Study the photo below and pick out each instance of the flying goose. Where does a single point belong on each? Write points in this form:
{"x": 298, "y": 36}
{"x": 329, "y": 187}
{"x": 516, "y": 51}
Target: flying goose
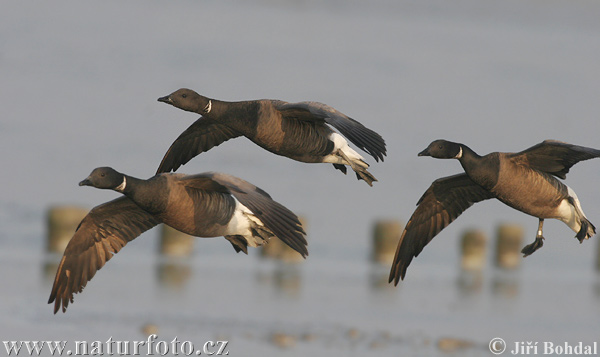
{"x": 526, "y": 181}
{"x": 295, "y": 130}
{"x": 205, "y": 205}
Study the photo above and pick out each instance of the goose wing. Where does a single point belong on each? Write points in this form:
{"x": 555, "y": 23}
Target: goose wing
{"x": 201, "y": 136}
{"x": 363, "y": 137}
{"x": 101, "y": 234}
{"x": 441, "y": 204}
{"x": 555, "y": 157}
{"x": 277, "y": 218}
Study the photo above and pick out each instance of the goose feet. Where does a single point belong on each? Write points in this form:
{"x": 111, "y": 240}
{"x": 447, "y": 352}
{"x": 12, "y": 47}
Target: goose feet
{"x": 583, "y": 232}
{"x": 530, "y": 248}
{"x": 340, "y": 167}
{"x": 359, "y": 167}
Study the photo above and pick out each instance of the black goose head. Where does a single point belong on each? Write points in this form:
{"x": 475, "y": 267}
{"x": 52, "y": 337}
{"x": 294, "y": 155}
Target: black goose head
{"x": 188, "y": 100}
{"x": 104, "y": 177}
{"x": 442, "y": 149}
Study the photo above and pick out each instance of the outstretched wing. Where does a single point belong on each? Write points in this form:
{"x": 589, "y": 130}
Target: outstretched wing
{"x": 555, "y": 157}
{"x": 363, "y": 137}
{"x": 100, "y": 235}
{"x": 441, "y": 204}
{"x": 201, "y": 136}
{"x": 277, "y": 218}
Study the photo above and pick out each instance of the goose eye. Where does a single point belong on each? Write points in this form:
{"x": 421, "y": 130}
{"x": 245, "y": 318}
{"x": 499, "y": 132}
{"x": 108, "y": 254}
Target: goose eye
{"x": 102, "y": 174}
{"x": 440, "y": 147}
{"x": 184, "y": 95}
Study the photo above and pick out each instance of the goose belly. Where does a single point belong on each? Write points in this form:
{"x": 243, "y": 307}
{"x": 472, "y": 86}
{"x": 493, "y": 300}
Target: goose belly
{"x": 309, "y": 152}
{"x": 207, "y": 221}
{"x": 297, "y": 140}
{"x": 532, "y": 194}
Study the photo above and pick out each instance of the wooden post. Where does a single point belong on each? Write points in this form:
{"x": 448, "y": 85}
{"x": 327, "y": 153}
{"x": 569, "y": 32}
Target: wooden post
{"x": 174, "y": 243}
{"x": 62, "y": 222}
{"x": 386, "y": 235}
{"x": 508, "y": 246}
{"x": 473, "y": 246}
{"x": 598, "y": 256}
{"x": 278, "y": 250}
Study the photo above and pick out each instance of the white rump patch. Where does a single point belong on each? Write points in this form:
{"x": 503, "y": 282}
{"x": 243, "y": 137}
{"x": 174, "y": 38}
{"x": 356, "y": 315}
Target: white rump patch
{"x": 577, "y": 203}
{"x": 241, "y": 224}
{"x": 570, "y": 214}
{"x": 339, "y": 143}
{"x": 121, "y": 187}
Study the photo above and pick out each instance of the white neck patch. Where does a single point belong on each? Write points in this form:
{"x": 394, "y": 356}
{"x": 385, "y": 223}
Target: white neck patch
{"x": 121, "y": 187}
{"x": 459, "y": 155}
{"x": 208, "y": 106}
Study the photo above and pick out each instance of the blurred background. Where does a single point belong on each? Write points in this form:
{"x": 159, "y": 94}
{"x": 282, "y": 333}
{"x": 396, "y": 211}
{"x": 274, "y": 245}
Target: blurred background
{"x": 79, "y": 87}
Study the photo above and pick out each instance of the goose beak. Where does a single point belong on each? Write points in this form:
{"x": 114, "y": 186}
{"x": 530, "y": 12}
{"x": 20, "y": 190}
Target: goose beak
{"x": 86, "y": 182}
{"x": 425, "y": 153}
{"x": 166, "y": 99}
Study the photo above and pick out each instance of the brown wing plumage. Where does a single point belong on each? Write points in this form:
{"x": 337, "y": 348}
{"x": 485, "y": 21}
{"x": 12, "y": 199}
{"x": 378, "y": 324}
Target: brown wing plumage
{"x": 363, "y": 137}
{"x": 280, "y": 220}
{"x": 441, "y": 204}
{"x": 100, "y": 235}
{"x": 201, "y": 136}
{"x": 555, "y": 157}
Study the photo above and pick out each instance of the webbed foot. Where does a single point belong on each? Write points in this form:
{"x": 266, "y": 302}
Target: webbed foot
{"x": 583, "y": 232}
{"x": 359, "y": 167}
{"x": 531, "y": 248}
{"x": 340, "y": 167}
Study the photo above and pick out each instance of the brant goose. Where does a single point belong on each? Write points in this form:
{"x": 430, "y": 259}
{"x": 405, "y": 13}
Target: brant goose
{"x": 205, "y": 205}
{"x": 524, "y": 181}
{"x": 294, "y": 130}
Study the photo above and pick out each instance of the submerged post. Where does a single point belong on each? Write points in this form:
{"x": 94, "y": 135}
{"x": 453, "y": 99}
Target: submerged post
{"x": 508, "y": 246}
{"x": 386, "y": 235}
{"x": 278, "y": 250}
{"x": 174, "y": 243}
{"x": 598, "y": 257}
{"x": 62, "y": 222}
{"x": 473, "y": 248}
